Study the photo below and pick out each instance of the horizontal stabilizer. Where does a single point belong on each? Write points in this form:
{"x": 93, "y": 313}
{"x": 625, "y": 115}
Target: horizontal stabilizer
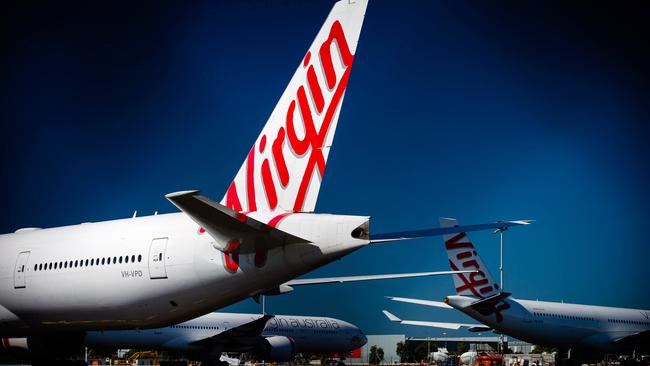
{"x": 424, "y": 233}
{"x": 438, "y": 304}
{"x": 225, "y": 224}
{"x": 319, "y": 281}
{"x": 486, "y": 306}
{"x": 453, "y": 326}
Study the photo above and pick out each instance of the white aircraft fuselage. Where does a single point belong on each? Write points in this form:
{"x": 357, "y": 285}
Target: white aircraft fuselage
{"x": 163, "y": 269}
{"x": 560, "y": 324}
{"x": 305, "y": 334}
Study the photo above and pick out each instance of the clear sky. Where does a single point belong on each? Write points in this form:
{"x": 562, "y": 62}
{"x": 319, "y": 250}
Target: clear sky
{"x": 474, "y": 110}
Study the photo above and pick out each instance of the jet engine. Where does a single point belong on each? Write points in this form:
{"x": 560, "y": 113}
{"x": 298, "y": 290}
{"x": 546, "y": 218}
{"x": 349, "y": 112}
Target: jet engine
{"x": 43, "y": 349}
{"x": 277, "y": 349}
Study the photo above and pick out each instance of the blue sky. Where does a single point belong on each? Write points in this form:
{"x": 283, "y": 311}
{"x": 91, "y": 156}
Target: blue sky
{"x": 473, "y": 110}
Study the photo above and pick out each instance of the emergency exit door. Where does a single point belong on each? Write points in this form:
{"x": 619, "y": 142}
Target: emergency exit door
{"x": 157, "y": 258}
{"x": 21, "y": 268}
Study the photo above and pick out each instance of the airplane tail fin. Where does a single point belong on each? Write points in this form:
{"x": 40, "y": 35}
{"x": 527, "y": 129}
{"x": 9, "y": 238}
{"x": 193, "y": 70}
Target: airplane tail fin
{"x": 463, "y": 256}
{"x": 284, "y": 168}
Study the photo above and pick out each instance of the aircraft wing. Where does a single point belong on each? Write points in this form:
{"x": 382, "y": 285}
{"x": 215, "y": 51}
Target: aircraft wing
{"x": 639, "y": 340}
{"x": 438, "y": 304}
{"x": 318, "y": 281}
{"x": 244, "y": 334}
{"x": 416, "y": 234}
{"x": 223, "y": 223}
{"x": 453, "y": 326}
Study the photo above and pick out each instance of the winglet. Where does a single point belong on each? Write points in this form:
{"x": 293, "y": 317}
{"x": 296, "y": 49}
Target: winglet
{"x": 391, "y": 317}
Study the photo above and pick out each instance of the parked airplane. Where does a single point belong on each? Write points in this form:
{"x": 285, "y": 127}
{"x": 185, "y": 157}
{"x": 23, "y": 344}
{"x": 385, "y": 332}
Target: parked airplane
{"x": 584, "y": 329}
{"x": 146, "y": 272}
{"x": 467, "y": 358}
{"x": 23, "y": 348}
{"x": 271, "y": 338}
{"x": 442, "y": 355}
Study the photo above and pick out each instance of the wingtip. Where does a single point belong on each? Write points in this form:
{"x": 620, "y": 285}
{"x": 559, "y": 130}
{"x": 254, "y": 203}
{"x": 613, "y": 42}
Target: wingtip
{"x": 391, "y": 316}
{"x": 191, "y": 192}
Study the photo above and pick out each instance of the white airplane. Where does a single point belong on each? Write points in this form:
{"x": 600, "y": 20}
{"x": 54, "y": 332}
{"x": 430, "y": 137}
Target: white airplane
{"x": 467, "y": 358}
{"x": 271, "y": 338}
{"x": 585, "y": 329}
{"x": 147, "y": 272}
{"x": 442, "y": 355}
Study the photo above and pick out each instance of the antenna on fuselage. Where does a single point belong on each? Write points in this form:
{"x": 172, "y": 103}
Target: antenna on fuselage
{"x": 135, "y": 214}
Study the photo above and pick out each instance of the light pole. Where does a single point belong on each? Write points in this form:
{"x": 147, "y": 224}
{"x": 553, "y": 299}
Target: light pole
{"x": 428, "y": 351}
{"x": 445, "y": 335}
{"x": 500, "y": 232}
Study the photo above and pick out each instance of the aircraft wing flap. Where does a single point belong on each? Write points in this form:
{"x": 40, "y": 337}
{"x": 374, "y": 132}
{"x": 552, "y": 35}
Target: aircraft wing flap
{"x": 242, "y": 334}
{"x": 225, "y": 224}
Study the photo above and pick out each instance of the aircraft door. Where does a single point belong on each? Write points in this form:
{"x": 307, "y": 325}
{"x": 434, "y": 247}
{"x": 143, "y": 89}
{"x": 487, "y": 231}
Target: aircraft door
{"x": 21, "y": 268}
{"x": 157, "y": 258}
